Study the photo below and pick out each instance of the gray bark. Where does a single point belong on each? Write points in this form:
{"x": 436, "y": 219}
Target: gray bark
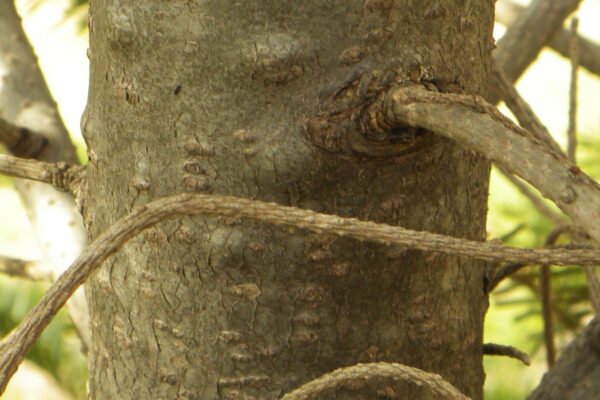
{"x": 213, "y": 97}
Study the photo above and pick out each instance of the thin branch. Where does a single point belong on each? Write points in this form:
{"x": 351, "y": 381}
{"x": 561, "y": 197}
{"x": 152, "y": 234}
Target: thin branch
{"x": 21, "y": 141}
{"x": 507, "y": 12}
{"x": 545, "y": 289}
{"x": 538, "y": 203}
{"x": 507, "y": 270}
{"x": 504, "y": 272}
{"x": 23, "y": 269}
{"x": 530, "y": 32}
{"x": 14, "y": 348}
{"x": 574, "y": 50}
{"x": 366, "y": 372}
{"x": 493, "y": 349}
{"x": 61, "y": 175}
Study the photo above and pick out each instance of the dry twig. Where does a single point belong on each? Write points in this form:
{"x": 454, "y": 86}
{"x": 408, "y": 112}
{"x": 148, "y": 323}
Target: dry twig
{"x": 545, "y": 291}
{"x": 366, "y": 372}
{"x": 574, "y": 51}
{"x": 507, "y": 270}
{"x": 61, "y": 175}
{"x": 493, "y": 349}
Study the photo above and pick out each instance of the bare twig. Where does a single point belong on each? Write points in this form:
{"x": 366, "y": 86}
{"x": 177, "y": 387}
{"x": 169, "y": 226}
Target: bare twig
{"x": 507, "y": 270}
{"x": 365, "y": 372}
{"x": 493, "y": 349}
{"x": 21, "y": 141}
{"x": 530, "y": 32}
{"x": 574, "y": 51}
{"x": 61, "y": 175}
{"x": 23, "y": 269}
{"x": 13, "y": 349}
{"x": 504, "y": 272}
{"x": 508, "y": 11}
{"x": 545, "y": 288}
{"x": 535, "y": 199}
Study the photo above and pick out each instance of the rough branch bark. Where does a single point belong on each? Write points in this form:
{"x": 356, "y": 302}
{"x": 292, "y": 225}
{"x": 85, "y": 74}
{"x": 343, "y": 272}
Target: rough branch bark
{"x": 61, "y": 175}
{"x": 530, "y": 33}
{"x": 508, "y": 11}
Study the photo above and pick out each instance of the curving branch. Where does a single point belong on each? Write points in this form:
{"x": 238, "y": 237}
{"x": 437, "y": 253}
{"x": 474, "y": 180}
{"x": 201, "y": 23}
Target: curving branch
{"x": 14, "y": 348}
{"x": 372, "y": 371}
{"x": 493, "y": 349}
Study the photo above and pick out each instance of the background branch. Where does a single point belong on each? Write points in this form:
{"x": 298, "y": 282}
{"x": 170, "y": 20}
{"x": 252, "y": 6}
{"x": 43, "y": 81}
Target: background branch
{"x": 23, "y": 269}
{"x": 529, "y": 33}
{"x": 21, "y": 141}
{"x": 507, "y": 12}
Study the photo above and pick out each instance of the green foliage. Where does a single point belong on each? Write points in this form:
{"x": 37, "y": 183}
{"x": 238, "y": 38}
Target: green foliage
{"x": 58, "y": 349}
{"x": 515, "y": 315}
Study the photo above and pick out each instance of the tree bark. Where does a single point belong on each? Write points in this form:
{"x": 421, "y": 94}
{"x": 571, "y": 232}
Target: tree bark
{"x": 577, "y": 373}
{"x": 213, "y": 97}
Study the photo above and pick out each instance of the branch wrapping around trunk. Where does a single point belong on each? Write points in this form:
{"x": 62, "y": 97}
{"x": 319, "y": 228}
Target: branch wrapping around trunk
{"x": 366, "y": 372}
{"x": 14, "y": 348}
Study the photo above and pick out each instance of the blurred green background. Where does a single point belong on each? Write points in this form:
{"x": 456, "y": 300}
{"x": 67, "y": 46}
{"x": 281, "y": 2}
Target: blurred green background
{"x": 58, "y": 33}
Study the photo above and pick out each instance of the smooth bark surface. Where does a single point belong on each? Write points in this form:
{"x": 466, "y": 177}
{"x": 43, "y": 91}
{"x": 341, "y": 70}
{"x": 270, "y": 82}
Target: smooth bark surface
{"x": 213, "y": 97}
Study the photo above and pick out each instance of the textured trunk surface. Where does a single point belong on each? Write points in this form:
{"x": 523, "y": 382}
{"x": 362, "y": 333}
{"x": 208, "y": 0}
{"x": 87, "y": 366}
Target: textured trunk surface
{"x": 212, "y": 96}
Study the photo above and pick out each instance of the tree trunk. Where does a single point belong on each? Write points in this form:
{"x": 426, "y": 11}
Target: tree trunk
{"x": 214, "y": 97}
